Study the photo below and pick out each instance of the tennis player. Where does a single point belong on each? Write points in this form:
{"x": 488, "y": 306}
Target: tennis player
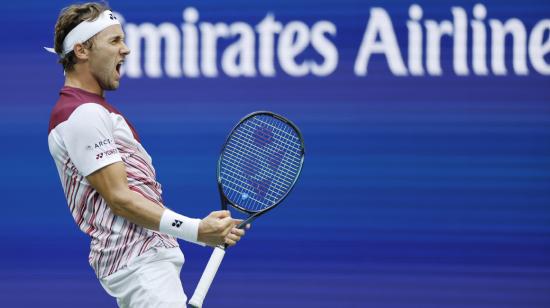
{"x": 107, "y": 176}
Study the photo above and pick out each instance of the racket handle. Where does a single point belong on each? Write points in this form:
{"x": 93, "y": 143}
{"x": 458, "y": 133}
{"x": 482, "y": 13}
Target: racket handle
{"x": 207, "y": 277}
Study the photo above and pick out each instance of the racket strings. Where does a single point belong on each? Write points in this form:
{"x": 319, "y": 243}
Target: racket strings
{"x": 268, "y": 188}
{"x": 250, "y": 154}
{"x": 272, "y": 151}
{"x": 265, "y": 191}
{"x": 260, "y": 162}
{"x": 282, "y": 146}
{"x": 275, "y": 156}
{"x": 289, "y": 139}
{"x": 248, "y": 170}
{"x": 281, "y": 141}
{"x": 235, "y": 177}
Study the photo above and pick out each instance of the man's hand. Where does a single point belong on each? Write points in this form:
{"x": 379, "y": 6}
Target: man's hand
{"x": 235, "y": 235}
{"x": 219, "y": 228}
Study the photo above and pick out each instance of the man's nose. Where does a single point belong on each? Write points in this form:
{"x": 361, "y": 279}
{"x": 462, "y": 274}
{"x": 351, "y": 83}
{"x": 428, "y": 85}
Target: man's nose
{"x": 125, "y": 50}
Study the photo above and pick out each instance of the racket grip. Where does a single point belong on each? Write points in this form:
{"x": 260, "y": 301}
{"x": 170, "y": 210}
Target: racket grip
{"x": 207, "y": 277}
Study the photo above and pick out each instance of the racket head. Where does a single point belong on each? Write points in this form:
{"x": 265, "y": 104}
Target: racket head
{"x": 260, "y": 162}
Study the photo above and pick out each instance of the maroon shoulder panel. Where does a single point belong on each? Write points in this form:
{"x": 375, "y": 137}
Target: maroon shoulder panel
{"x": 70, "y": 98}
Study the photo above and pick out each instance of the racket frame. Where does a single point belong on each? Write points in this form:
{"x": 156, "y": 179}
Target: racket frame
{"x": 219, "y": 251}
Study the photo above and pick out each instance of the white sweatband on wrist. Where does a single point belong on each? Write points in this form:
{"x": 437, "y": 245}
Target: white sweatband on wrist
{"x": 180, "y": 226}
{"x": 86, "y": 30}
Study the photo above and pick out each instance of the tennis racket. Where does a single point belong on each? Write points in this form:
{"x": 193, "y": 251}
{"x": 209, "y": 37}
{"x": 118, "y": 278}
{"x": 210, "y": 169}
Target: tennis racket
{"x": 259, "y": 164}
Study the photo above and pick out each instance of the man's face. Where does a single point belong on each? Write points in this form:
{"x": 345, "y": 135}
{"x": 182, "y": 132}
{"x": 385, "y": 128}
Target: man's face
{"x": 106, "y": 57}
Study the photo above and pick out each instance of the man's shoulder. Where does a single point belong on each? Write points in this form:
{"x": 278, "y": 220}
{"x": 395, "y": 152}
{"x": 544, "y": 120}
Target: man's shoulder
{"x": 66, "y": 106}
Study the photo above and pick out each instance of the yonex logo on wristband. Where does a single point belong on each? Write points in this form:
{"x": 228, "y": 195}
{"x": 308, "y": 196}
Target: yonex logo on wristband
{"x": 177, "y": 223}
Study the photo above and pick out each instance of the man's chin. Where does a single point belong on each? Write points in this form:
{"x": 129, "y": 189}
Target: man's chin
{"x": 112, "y": 86}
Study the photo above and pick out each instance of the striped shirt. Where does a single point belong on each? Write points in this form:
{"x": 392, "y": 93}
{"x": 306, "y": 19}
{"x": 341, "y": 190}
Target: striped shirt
{"x": 86, "y": 134}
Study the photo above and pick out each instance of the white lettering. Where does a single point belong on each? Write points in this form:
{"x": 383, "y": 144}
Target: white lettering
{"x": 460, "y": 41}
{"x": 539, "y": 49}
{"x": 379, "y": 25}
{"x": 190, "y": 42}
{"x": 435, "y": 32}
{"x": 499, "y": 31}
{"x": 267, "y": 30}
{"x": 152, "y": 36}
{"x": 415, "y": 41}
{"x": 479, "y": 37}
{"x": 293, "y": 40}
{"x": 325, "y": 47}
{"x": 194, "y": 48}
{"x": 238, "y": 58}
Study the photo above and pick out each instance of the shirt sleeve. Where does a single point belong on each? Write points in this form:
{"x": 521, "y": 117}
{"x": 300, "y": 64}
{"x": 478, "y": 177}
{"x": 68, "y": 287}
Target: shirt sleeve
{"x": 89, "y": 140}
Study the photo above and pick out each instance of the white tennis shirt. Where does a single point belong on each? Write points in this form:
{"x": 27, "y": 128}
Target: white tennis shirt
{"x": 85, "y": 135}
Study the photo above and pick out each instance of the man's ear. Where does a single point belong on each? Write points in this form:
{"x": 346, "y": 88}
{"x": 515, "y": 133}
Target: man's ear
{"x": 80, "y": 51}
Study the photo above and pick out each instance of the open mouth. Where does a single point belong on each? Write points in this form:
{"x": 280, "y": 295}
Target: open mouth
{"x": 119, "y": 66}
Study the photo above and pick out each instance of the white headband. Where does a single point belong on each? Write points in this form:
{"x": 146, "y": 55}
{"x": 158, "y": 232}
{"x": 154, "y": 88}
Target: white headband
{"x": 85, "y": 30}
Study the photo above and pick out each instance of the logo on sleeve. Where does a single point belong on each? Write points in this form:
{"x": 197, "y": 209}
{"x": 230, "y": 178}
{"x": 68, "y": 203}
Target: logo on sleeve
{"x": 177, "y": 223}
{"x": 106, "y": 153}
{"x": 101, "y": 143}
{"x": 104, "y": 145}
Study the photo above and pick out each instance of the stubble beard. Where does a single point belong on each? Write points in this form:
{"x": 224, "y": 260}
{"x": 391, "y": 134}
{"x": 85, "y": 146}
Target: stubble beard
{"x": 106, "y": 83}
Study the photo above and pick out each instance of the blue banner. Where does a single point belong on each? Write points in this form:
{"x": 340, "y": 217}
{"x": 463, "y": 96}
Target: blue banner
{"x": 426, "y": 181}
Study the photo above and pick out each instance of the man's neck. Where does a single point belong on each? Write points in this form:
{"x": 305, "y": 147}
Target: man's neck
{"x": 83, "y": 81}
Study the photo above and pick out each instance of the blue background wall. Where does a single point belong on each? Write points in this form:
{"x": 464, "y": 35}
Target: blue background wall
{"x": 426, "y": 191}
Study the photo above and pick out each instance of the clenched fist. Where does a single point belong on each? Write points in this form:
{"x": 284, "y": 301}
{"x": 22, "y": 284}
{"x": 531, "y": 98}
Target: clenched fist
{"x": 219, "y": 228}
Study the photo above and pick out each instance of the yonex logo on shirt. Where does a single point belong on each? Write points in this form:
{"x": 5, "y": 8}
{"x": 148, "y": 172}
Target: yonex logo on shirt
{"x": 106, "y": 153}
{"x": 177, "y": 223}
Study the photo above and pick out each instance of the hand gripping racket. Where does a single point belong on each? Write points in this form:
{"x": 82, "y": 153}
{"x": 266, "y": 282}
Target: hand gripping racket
{"x": 258, "y": 166}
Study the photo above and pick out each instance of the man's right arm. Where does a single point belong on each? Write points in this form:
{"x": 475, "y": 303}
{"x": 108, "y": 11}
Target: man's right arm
{"x": 112, "y": 184}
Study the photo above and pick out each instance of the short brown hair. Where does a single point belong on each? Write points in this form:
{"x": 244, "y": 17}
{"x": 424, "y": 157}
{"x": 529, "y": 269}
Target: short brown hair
{"x": 68, "y": 19}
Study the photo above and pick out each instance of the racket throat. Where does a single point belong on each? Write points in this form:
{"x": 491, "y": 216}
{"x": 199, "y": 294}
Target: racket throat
{"x": 222, "y": 198}
{"x": 250, "y": 219}
{"x": 242, "y": 225}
